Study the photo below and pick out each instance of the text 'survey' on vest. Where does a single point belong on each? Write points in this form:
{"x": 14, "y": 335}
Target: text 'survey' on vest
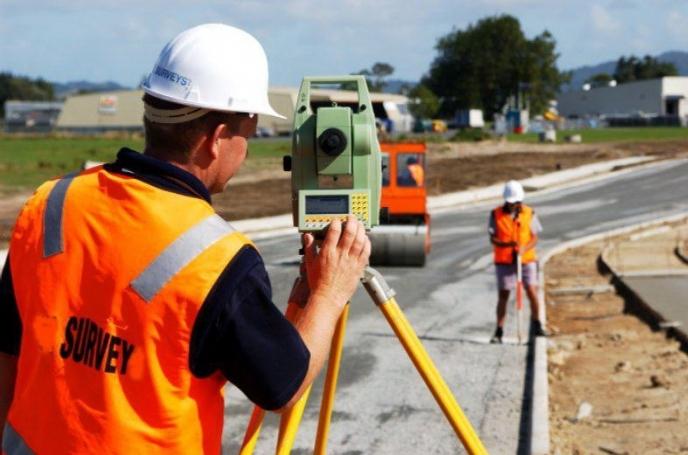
{"x": 109, "y": 274}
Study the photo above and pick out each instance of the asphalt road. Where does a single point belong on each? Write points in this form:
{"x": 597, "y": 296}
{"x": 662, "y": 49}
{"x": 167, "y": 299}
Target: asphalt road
{"x": 382, "y": 404}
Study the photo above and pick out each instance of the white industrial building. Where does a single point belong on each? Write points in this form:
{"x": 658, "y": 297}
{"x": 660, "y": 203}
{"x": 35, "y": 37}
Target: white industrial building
{"x": 664, "y": 97}
{"x": 123, "y": 110}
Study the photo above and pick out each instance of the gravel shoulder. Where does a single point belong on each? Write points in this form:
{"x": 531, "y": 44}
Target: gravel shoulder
{"x": 615, "y": 386}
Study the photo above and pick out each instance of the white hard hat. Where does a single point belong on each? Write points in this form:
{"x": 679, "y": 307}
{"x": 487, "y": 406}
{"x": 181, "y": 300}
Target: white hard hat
{"x": 214, "y": 67}
{"x": 513, "y": 192}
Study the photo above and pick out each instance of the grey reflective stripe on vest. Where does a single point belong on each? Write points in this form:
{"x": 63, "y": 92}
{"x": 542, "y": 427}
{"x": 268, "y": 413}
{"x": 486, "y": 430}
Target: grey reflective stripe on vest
{"x": 178, "y": 254}
{"x": 52, "y": 219}
{"x": 13, "y": 443}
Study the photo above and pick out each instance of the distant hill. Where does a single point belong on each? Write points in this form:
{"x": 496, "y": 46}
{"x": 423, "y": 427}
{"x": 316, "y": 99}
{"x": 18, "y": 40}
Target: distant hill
{"x": 583, "y": 73}
{"x": 62, "y": 90}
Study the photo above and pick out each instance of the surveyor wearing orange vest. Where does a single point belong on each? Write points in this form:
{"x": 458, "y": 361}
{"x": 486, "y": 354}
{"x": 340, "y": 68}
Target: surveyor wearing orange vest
{"x": 514, "y": 230}
{"x": 127, "y": 303}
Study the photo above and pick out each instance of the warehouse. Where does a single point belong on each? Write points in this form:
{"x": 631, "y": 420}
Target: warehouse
{"x": 123, "y": 110}
{"x": 664, "y": 98}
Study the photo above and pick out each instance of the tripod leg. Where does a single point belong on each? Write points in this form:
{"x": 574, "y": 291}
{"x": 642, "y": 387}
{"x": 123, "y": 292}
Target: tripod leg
{"x": 252, "y": 431}
{"x": 331, "y": 384}
{"x": 289, "y": 425}
{"x": 383, "y": 296}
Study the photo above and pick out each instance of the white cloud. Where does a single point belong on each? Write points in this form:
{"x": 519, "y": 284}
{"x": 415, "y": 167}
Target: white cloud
{"x": 603, "y": 21}
{"x": 642, "y": 40}
{"x": 676, "y": 23}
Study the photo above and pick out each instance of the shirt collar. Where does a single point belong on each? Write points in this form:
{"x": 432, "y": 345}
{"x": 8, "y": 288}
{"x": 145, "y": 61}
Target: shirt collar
{"x": 158, "y": 173}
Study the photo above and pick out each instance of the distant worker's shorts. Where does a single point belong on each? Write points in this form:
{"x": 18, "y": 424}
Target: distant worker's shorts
{"x": 506, "y": 275}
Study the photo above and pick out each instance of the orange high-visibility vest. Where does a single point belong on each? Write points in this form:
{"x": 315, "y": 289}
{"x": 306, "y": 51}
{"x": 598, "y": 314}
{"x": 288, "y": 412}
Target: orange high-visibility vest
{"x": 510, "y": 230}
{"x": 417, "y": 173}
{"x": 109, "y": 274}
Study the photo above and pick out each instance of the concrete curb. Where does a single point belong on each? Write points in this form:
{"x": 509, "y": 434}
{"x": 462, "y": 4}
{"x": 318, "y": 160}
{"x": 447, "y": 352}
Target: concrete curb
{"x": 682, "y": 252}
{"x": 539, "y": 436}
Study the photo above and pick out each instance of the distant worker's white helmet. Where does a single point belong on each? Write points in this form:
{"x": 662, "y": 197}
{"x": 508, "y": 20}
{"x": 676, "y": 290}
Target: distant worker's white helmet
{"x": 213, "y": 67}
{"x": 513, "y": 192}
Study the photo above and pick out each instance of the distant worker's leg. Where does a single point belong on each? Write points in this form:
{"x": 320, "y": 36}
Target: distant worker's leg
{"x": 536, "y": 328}
{"x": 531, "y": 291}
{"x": 530, "y": 283}
{"x": 501, "y": 316}
{"x": 501, "y": 306}
{"x": 506, "y": 281}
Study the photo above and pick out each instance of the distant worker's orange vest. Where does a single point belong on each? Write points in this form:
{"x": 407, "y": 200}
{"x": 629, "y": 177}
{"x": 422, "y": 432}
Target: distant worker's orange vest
{"x": 510, "y": 230}
{"x": 109, "y": 274}
{"x": 417, "y": 173}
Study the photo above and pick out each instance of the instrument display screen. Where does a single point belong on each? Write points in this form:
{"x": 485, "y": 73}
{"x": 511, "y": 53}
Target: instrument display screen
{"x": 327, "y": 205}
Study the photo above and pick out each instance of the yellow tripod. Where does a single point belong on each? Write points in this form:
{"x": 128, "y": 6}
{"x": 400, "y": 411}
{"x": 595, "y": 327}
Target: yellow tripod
{"x": 383, "y": 296}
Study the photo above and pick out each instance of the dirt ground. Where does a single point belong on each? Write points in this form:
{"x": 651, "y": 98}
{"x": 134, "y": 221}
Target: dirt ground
{"x": 264, "y": 190}
{"x": 615, "y": 386}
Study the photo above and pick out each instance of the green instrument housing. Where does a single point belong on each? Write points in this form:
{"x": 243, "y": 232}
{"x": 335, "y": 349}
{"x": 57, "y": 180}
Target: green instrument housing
{"x": 335, "y": 160}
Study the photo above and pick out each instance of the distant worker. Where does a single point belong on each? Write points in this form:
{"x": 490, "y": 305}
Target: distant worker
{"x": 413, "y": 175}
{"x": 514, "y": 230}
{"x": 127, "y": 303}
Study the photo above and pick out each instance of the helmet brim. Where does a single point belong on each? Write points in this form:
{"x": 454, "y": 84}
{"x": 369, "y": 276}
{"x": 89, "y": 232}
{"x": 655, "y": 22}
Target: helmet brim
{"x": 261, "y": 110}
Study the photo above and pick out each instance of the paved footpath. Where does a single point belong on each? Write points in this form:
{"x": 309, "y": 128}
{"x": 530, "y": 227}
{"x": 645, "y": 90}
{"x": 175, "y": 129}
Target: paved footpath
{"x": 650, "y": 264}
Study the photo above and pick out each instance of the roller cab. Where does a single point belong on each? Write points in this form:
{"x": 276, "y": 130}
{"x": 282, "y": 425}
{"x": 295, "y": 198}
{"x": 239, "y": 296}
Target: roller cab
{"x": 403, "y": 236}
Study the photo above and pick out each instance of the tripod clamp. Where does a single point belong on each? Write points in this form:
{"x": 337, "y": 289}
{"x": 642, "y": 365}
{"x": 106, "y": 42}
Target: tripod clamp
{"x": 377, "y": 287}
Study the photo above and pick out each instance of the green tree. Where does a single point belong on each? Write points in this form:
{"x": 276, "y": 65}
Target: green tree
{"x": 632, "y": 68}
{"x": 423, "y": 103}
{"x": 485, "y": 64}
{"x": 23, "y": 88}
{"x": 600, "y": 79}
{"x": 375, "y": 76}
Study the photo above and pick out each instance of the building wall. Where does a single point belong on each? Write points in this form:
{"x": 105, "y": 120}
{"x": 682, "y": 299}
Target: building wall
{"x": 677, "y": 87}
{"x": 103, "y": 111}
{"x": 283, "y": 100}
{"x": 624, "y": 99}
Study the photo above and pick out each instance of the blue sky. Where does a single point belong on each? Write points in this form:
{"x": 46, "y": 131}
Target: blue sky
{"x": 64, "y": 40}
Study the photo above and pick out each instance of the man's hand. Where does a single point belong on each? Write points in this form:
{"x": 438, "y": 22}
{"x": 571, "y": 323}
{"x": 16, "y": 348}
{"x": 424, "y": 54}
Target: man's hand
{"x": 334, "y": 271}
{"x": 496, "y": 242}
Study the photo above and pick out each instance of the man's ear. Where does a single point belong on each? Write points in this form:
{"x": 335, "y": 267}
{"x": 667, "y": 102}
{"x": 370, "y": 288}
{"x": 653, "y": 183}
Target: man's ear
{"x": 219, "y": 132}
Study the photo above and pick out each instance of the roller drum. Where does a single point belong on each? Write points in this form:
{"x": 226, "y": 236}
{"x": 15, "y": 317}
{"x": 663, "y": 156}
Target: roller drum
{"x": 398, "y": 245}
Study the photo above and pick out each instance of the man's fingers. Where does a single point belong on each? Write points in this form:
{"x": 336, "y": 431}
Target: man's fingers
{"x": 308, "y": 243}
{"x": 349, "y": 234}
{"x": 359, "y": 241}
{"x": 334, "y": 231}
{"x": 365, "y": 251}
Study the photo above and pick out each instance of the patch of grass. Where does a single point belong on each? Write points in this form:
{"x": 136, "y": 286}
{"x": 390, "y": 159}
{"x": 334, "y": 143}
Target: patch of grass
{"x": 612, "y": 134}
{"x": 269, "y": 148}
{"x": 470, "y": 135}
{"x": 26, "y": 162}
